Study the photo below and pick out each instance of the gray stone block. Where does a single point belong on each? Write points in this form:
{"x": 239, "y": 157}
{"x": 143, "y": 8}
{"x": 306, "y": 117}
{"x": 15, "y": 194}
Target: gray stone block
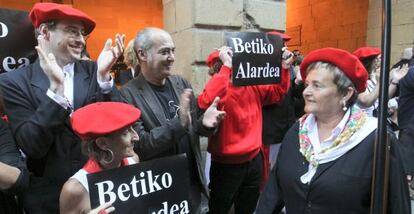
{"x": 267, "y": 14}
{"x": 185, "y": 14}
{"x": 199, "y": 78}
{"x": 169, "y": 16}
{"x": 218, "y": 13}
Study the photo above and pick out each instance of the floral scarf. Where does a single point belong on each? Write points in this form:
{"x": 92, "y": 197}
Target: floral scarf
{"x": 339, "y": 146}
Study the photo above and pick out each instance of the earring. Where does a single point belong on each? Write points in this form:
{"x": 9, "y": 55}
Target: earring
{"x": 111, "y": 157}
{"x": 344, "y": 108}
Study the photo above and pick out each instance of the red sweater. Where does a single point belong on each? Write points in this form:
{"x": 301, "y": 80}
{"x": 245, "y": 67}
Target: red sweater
{"x": 239, "y": 136}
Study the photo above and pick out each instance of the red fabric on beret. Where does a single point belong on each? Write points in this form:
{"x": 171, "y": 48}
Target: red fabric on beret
{"x": 365, "y": 52}
{"x": 348, "y": 63}
{"x": 43, "y": 12}
{"x": 102, "y": 118}
{"x": 212, "y": 57}
{"x": 284, "y": 36}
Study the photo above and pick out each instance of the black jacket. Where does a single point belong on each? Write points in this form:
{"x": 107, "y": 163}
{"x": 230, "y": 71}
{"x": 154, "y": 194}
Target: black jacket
{"x": 42, "y": 129}
{"x": 155, "y": 132}
{"x": 278, "y": 118}
{"x": 342, "y": 186}
{"x": 123, "y": 77}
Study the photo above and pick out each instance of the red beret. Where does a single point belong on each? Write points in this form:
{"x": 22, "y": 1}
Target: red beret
{"x": 212, "y": 57}
{"x": 102, "y": 118}
{"x": 365, "y": 52}
{"x": 342, "y": 59}
{"x": 43, "y": 12}
{"x": 284, "y": 36}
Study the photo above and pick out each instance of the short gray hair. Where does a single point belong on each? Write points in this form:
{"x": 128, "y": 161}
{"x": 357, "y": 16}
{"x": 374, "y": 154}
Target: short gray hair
{"x": 341, "y": 81}
{"x": 142, "y": 39}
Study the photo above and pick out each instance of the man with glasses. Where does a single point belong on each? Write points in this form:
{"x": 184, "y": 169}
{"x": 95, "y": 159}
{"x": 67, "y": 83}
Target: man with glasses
{"x": 40, "y": 98}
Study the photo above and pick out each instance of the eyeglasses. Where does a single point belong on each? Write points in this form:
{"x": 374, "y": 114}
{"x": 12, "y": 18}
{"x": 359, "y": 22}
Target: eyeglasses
{"x": 74, "y": 32}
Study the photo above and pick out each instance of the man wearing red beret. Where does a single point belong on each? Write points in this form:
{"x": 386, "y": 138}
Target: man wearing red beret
{"x": 39, "y": 99}
{"x": 169, "y": 123}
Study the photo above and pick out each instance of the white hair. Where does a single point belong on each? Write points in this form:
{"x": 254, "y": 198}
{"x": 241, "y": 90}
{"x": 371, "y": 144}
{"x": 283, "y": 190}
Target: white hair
{"x": 407, "y": 53}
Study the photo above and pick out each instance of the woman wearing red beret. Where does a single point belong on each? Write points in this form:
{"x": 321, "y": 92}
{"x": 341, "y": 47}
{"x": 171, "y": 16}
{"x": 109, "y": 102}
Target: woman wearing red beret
{"x": 108, "y": 140}
{"x": 371, "y": 59}
{"x": 325, "y": 161}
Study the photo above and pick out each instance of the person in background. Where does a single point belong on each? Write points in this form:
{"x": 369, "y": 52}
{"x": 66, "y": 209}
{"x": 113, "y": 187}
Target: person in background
{"x": 237, "y": 163}
{"x": 325, "y": 162}
{"x": 14, "y": 176}
{"x": 406, "y": 124}
{"x": 40, "y": 98}
{"x": 170, "y": 123}
{"x": 405, "y": 58}
{"x": 371, "y": 59}
{"x": 108, "y": 147}
{"x": 130, "y": 59}
{"x": 279, "y": 117}
{"x": 412, "y": 58}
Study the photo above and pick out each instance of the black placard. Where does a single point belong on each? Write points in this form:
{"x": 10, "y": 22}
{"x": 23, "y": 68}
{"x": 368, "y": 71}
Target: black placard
{"x": 155, "y": 187}
{"x": 256, "y": 58}
{"x": 17, "y": 40}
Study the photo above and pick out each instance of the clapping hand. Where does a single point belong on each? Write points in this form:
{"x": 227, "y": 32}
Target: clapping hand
{"x": 109, "y": 55}
{"x": 185, "y": 113}
{"x": 50, "y": 67}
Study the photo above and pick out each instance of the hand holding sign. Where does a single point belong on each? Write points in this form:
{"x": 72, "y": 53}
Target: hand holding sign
{"x": 103, "y": 209}
{"x": 49, "y": 65}
{"x": 287, "y": 58}
{"x": 226, "y": 55}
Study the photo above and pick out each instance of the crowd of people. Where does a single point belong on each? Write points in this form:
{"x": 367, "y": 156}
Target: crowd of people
{"x": 304, "y": 145}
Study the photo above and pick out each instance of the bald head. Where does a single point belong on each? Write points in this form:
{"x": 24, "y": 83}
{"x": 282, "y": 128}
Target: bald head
{"x": 145, "y": 38}
{"x": 155, "y": 51}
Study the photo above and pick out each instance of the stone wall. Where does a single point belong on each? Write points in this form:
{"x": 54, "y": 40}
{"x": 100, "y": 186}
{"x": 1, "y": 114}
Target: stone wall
{"x": 198, "y": 26}
{"x": 327, "y": 23}
{"x": 402, "y": 31}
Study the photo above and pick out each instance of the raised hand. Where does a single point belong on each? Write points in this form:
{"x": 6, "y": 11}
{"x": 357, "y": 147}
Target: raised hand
{"x": 109, "y": 55}
{"x": 287, "y": 58}
{"x": 185, "y": 115}
{"x": 226, "y": 55}
{"x": 50, "y": 67}
{"x": 212, "y": 116}
{"x": 398, "y": 73}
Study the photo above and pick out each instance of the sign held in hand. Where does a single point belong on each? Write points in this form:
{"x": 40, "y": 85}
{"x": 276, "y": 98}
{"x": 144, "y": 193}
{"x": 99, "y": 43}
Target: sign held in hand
{"x": 154, "y": 187}
{"x": 256, "y": 58}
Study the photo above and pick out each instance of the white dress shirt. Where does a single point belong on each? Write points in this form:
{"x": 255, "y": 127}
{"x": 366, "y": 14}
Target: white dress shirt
{"x": 66, "y": 101}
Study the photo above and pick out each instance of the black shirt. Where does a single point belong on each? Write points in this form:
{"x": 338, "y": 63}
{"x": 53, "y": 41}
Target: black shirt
{"x": 406, "y": 100}
{"x": 171, "y": 106}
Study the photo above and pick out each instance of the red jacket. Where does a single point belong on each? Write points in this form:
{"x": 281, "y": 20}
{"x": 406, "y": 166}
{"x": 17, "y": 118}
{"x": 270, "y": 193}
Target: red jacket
{"x": 239, "y": 136}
